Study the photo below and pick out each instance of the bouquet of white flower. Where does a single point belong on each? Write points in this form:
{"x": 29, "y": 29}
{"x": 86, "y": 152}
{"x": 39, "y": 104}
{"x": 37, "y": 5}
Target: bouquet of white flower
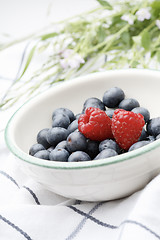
{"x": 126, "y": 34}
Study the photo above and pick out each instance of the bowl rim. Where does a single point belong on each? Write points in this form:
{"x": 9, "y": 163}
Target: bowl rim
{"x": 76, "y": 165}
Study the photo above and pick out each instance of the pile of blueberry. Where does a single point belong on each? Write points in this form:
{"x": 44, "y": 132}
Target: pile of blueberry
{"x": 64, "y": 142}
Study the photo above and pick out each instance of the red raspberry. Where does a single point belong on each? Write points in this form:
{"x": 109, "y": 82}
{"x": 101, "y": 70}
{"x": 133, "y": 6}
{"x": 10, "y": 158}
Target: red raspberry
{"x": 126, "y": 127}
{"x": 95, "y": 124}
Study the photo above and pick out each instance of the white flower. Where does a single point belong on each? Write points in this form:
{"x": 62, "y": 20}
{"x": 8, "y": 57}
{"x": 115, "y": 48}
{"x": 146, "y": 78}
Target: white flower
{"x": 75, "y": 61}
{"x": 64, "y": 63}
{"x": 61, "y": 47}
{"x": 128, "y": 18}
{"x": 130, "y": 54}
{"x": 158, "y": 23}
{"x": 105, "y": 13}
{"x": 67, "y": 53}
{"x": 62, "y": 37}
{"x": 117, "y": 8}
{"x": 57, "y": 48}
{"x": 68, "y": 41}
{"x": 71, "y": 59}
{"x": 143, "y": 14}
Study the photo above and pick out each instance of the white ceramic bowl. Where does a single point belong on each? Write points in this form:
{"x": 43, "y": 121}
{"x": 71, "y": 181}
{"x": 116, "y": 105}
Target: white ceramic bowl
{"x": 97, "y": 180}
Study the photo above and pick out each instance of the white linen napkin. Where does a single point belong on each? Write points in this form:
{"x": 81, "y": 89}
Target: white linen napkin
{"x": 29, "y": 211}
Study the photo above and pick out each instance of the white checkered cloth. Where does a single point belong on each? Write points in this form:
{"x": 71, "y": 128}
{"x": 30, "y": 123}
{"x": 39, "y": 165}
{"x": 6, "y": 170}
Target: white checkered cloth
{"x": 28, "y": 211}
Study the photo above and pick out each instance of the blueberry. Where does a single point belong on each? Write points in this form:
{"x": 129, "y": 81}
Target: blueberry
{"x": 43, "y": 154}
{"x": 64, "y": 111}
{"x": 42, "y": 137}
{"x": 153, "y": 126}
{"x": 92, "y": 148}
{"x": 106, "y": 153}
{"x": 73, "y": 126}
{"x": 59, "y": 154}
{"x": 109, "y": 112}
{"x": 50, "y": 149}
{"x": 35, "y": 148}
{"x": 62, "y": 144}
{"x": 76, "y": 141}
{"x": 113, "y": 97}
{"x": 79, "y": 156}
{"x": 138, "y": 145}
{"x": 143, "y": 136}
{"x": 93, "y": 102}
{"x": 128, "y": 104}
{"x": 150, "y": 138}
{"x": 109, "y": 143}
{"x": 143, "y": 111}
{"x": 78, "y": 115}
{"x": 56, "y": 135}
{"x": 158, "y": 137}
{"x": 60, "y": 120}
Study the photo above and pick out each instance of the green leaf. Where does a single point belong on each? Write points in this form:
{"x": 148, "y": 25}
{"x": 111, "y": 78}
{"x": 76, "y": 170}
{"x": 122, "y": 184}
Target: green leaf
{"x": 126, "y": 38}
{"x": 158, "y": 56}
{"x": 48, "y": 35}
{"x": 134, "y": 64}
{"x": 43, "y": 47}
{"x": 101, "y": 34}
{"x": 156, "y": 4}
{"x": 146, "y": 40}
{"x": 105, "y": 4}
{"x": 30, "y": 56}
{"x": 156, "y": 8}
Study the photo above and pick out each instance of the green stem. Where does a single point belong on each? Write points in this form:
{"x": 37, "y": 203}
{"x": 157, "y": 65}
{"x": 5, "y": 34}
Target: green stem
{"x": 115, "y": 37}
